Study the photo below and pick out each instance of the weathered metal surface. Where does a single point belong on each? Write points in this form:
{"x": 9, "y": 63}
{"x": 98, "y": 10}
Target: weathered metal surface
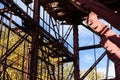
{"x": 109, "y": 40}
{"x": 76, "y": 53}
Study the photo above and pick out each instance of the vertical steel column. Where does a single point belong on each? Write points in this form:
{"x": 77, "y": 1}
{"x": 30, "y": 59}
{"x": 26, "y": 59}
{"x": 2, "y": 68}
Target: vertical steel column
{"x": 27, "y": 55}
{"x": 35, "y": 42}
{"x": 76, "y": 53}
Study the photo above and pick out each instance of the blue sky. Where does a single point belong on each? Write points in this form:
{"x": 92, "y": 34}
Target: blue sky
{"x": 85, "y": 38}
{"x": 1, "y": 6}
{"x": 87, "y": 56}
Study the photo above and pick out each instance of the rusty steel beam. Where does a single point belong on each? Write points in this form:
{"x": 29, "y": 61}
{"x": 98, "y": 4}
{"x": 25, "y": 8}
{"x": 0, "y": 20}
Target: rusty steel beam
{"x": 31, "y": 23}
{"x": 3, "y": 10}
{"x": 24, "y": 29}
{"x": 76, "y": 53}
{"x": 90, "y": 47}
{"x": 35, "y": 42}
{"x": 109, "y": 40}
{"x": 25, "y": 38}
{"x": 69, "y": 56}
{"x": 102, "y": 11}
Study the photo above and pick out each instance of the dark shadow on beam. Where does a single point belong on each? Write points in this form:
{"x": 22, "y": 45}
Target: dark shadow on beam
{"x": 89, "y": 47}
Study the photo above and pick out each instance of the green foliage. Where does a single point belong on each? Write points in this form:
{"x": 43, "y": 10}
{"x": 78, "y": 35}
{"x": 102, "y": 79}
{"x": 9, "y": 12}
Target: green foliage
{"x": 15, "y": 60}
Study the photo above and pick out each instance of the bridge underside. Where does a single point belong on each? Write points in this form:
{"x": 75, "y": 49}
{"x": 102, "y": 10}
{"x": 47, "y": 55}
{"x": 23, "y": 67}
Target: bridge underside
{"x": 35, "y": 33}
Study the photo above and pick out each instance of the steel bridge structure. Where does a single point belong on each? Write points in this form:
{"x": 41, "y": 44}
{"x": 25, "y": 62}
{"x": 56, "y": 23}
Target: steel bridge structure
{"x": 35, "y": 41}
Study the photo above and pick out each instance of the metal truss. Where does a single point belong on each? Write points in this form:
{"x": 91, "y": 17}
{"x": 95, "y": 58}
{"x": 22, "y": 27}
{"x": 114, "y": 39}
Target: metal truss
{"x": 35, "y": 47}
